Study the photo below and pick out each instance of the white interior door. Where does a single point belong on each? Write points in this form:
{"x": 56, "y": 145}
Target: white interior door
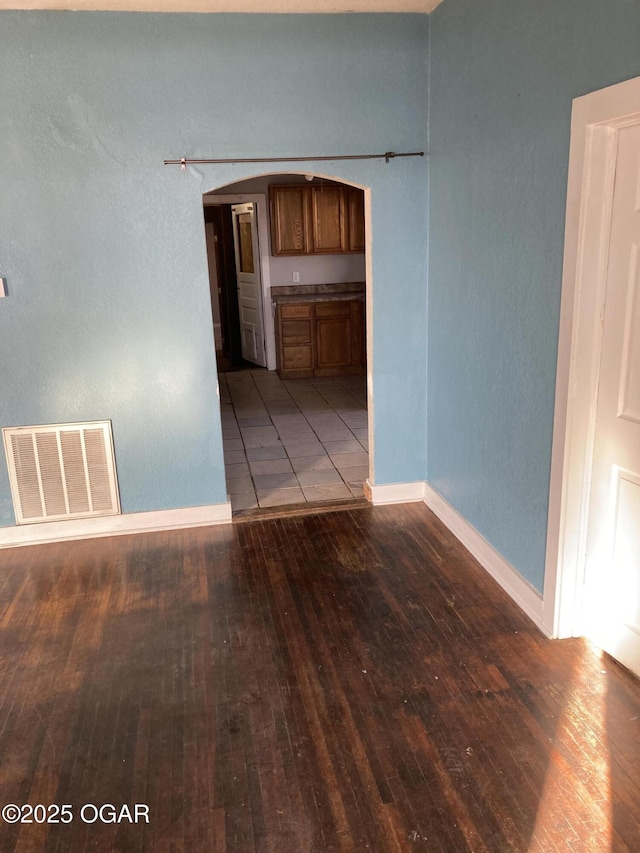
{"x": 613, "y": 541}
{"x": 245, "y": 235}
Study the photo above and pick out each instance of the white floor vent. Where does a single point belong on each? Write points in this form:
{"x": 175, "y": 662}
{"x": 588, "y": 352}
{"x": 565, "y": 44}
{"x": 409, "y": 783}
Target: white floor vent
{"x": 61, "y": 471}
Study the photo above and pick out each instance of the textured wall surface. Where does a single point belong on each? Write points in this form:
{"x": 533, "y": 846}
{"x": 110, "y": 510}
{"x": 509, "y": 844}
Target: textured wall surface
{"x": 503, "y": 75}
{"x": 103, "y": 247}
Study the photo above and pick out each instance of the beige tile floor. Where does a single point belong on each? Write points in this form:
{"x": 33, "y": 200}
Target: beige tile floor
{"x": 292, "y": 441}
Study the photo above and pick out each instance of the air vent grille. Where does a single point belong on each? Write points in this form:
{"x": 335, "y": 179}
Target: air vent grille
{"x": 61, "y": 471}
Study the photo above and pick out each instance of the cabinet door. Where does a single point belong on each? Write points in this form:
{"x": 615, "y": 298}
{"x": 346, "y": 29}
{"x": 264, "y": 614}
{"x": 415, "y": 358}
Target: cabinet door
{"x": 328, "y": 217}
{"x": 333, "y": 335}
{"x": 289, "y": 220}
{"x": 355, "y": 204}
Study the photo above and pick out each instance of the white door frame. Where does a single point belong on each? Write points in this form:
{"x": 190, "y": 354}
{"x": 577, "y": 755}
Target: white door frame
{"x": 262, "y": 221}
{"x": 595, "y": 122}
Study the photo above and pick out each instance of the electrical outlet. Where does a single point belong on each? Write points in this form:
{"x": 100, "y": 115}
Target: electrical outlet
{"x": 296, "y": 276}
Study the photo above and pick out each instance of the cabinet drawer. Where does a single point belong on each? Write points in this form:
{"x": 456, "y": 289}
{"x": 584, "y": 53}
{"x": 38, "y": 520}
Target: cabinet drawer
{"x": 296, "y": 331}
{"x": 293, "y": 311}
{"x": 333, "y": 309}
{"x": 296, "y": 358}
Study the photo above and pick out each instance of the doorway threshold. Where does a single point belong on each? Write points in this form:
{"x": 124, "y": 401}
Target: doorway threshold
{"x": 309, "y": 508}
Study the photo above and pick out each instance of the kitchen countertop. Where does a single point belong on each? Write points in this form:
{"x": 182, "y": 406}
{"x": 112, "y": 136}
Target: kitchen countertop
{"x": 320, "y": 297}
{"x": 343, "y": 291}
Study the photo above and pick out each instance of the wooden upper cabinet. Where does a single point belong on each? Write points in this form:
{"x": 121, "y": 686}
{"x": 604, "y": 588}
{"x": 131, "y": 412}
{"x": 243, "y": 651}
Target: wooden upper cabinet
{"x": 355, "y": 207}
{"x": 328, "y": 219}
{"x": 289, "y": 220}
{"x": 316, "y": 219}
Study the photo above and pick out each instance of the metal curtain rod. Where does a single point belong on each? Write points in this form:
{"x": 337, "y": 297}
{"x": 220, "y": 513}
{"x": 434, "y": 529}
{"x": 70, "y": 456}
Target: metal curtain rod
{"x": 389, "y": 155}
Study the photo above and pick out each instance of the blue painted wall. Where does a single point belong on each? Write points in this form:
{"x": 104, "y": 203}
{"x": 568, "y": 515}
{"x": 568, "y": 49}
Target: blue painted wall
{"x": 103, "y": 247}
{"x": 503, "y": 75}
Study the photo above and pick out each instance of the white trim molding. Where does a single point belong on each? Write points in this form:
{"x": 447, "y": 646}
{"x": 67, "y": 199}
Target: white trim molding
{"x": 309, "y": 7}
{"x": 395, "y": 493}
{"x": 525, "y": 596}
{"x": 114, "y": 525}
{"x": 595, "y": 122}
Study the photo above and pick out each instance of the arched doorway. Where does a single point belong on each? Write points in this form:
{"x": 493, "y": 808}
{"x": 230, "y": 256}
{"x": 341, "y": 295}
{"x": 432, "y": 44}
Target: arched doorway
{"x": 296, "y": 421}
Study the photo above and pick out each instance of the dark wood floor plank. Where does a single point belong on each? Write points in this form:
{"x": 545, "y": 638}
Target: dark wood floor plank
{"x": 315, "y": 720}
{"x": 340, "y": 681}
{"x": 284, "y": 814}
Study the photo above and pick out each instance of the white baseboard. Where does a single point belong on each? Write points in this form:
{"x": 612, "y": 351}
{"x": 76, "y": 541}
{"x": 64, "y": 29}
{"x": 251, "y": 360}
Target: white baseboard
{"x": 396, "y": 493}
{"x": 114, "y": 525}
{"x": 524, "y": 595}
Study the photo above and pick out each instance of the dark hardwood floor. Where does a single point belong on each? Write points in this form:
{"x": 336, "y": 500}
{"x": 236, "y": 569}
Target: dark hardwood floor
{"x": 345, "y": 681}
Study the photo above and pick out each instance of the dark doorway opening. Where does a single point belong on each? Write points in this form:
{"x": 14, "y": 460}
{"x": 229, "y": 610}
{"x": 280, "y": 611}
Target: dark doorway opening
{"x": 223, "y": 284}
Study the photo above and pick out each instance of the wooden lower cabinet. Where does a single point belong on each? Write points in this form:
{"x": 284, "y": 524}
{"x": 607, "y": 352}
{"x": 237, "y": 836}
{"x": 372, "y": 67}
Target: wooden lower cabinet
{"x": 320, "y": 339}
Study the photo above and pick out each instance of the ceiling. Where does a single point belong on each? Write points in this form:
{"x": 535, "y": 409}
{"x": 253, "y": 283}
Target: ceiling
{"x": 299, "y": 6}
